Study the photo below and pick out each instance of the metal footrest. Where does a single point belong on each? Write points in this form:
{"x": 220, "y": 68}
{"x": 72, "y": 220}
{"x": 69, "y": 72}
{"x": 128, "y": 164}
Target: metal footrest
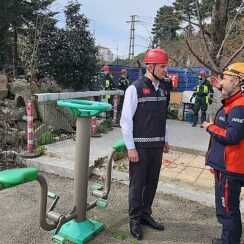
{"x": 51, "y": 195}
{"x": 97, "y": 186}
{"x": 102, "y": 203}
{"x": 58, "y": 239}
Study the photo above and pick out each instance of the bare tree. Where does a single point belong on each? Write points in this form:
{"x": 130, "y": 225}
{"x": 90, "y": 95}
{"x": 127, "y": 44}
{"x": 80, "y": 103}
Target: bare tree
{"x": 214, "y": 37}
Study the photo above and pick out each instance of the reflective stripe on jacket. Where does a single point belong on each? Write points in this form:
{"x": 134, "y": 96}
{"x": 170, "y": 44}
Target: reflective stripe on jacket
{"x": 205, "y": 89}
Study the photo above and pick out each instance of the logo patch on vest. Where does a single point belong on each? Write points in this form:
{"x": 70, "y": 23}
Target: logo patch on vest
{"x": 162, "y": 93}
{"x": 146, "y": 91}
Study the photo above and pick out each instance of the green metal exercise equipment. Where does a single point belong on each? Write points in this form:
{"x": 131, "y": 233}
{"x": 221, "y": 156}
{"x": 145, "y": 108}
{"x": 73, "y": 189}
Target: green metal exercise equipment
{"x": 74, "y": 227}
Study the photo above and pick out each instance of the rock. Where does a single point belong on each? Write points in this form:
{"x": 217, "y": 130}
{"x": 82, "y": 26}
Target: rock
{"x": 18, "y": 113}
{"x": 3, "y": 86}
{"x": 18, "y": 86}
{"x": 12, "y": 137}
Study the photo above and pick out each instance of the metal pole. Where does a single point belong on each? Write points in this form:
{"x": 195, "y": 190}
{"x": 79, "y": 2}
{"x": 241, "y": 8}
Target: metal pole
{"x": 82, "y": 151}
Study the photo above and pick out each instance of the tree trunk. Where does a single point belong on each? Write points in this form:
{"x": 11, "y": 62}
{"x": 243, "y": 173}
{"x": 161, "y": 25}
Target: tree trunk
{"x": 15, "y": 51}
{"x": 219, "y": 25}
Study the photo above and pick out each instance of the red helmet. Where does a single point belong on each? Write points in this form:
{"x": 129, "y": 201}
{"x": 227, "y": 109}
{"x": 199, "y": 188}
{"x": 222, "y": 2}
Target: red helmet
{"x": 123, "y": 72}
{"x": 203, "y": 72}
{"x": 156, "y": 56}
{"x": 105, "y": 68}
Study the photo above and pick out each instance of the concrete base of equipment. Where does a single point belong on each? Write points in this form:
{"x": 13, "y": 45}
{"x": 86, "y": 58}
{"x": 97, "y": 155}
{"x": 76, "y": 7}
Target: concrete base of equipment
{"x": 80, "y": 232}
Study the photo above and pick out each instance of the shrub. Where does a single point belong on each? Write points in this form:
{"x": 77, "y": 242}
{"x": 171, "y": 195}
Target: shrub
{"x": 45, "y": 138}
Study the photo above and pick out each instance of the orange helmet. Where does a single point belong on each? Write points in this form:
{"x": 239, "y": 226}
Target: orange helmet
{"x": 105, "y": 68}
{"x": 156, "y": 56}
{"x": 203, "y": 73}
{"x": 123, "y": 72}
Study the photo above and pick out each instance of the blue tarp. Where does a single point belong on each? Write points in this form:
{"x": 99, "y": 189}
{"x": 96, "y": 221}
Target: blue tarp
{"x": 188, "y": 78}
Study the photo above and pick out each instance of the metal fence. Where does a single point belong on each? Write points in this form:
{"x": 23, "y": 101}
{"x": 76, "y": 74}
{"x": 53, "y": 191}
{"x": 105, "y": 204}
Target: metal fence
{"x": 54, "y": 117}
{"x": 188, "y": 78}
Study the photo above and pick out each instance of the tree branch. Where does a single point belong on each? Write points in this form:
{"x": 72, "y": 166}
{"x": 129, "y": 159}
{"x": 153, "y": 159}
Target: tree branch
{"x": 215, "y": 69}
{"x": 203, "y": 37}
{"x": 195, "y": 24}
{"x": 234, "y": 55}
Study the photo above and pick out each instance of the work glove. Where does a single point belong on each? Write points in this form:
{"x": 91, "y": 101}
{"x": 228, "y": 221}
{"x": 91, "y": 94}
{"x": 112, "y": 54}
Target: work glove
{"x": 210, "y": 101}
{"x": 191, "y": 99}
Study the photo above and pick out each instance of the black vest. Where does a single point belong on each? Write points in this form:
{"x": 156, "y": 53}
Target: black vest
{"x": 149, "y": 120}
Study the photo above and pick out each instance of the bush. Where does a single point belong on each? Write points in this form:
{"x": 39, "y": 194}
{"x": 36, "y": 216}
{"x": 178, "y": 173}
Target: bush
{"x": 40, "y": 149}
{"x": 45, "y": 138}
{"x": 105, "y": 126}
{"x": 172, "y": 114}
{"x": 107, "y": 123}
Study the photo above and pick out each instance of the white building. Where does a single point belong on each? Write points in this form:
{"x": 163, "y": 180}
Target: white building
{"x": 105, "y": 54}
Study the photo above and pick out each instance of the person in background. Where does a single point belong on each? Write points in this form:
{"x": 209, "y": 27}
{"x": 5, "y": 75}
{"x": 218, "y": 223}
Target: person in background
{"x": 143, "y": 123}
{"x": 123, "y": 84}
{"x": 107, "y": 81}
{"x": 203, "y": 96}
{"x": 226, "y": 152}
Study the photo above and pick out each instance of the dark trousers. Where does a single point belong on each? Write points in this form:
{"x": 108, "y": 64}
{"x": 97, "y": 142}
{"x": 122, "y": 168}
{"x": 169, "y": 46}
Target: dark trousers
{"x": 200, "y": 103}
{"x": 227, "y": 199}
{"x": 144, "y": 177}
{"x": 109, "y": 114}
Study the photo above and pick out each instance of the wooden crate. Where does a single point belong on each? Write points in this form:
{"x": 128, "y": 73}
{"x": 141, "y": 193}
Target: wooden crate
{"x": 175, "y": 98}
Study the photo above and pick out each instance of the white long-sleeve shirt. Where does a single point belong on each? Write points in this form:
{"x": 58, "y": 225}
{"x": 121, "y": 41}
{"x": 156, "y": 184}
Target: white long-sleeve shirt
{"x": 128, "y": 111}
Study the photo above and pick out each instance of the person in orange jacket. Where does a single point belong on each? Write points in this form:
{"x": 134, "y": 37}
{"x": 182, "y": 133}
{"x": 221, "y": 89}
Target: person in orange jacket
{"x": 226, "y": 152}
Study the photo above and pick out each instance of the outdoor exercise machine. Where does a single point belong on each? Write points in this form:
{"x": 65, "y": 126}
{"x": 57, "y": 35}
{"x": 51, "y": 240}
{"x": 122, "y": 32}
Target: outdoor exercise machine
{"x": 75, "y": 226}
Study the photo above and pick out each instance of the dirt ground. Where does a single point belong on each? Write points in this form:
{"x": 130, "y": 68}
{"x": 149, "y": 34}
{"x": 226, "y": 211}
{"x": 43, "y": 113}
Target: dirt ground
{"x": 185, "y": 221}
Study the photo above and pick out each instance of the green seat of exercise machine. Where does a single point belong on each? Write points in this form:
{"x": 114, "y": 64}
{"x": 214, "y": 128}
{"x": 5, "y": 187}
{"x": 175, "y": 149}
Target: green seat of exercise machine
{"x": 84, "y": 108}
{"x": 14, "y": 177}
{"x": 119, "y": 146}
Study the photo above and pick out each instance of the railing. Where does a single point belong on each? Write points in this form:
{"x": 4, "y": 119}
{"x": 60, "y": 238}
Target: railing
{"x": 56, "y": 117}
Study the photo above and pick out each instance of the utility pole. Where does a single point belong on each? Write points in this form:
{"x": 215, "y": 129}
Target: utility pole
{"x": 132, "y": 35}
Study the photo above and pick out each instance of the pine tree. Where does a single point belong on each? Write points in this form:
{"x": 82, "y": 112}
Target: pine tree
{"x": 69, "y": 54}
{"x": 165, "y": 26}
{"x": 15, "y": 17}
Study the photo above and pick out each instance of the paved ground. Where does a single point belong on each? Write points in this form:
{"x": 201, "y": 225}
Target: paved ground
{"x": 184, "y": 201}
{"x": 183, "y": 169}
{"x": 185, "y": 221}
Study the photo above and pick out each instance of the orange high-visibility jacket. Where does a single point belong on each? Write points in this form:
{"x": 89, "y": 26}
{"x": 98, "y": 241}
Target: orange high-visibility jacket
{"x": 226, "y": 147}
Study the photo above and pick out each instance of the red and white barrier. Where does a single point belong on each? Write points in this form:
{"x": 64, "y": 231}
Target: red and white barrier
{"x": 94, "y": 124}
{"x": 30, "y": 132}
{"x": 115, "y": 107}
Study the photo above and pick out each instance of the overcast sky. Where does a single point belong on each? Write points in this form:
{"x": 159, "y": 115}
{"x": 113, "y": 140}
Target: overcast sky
{"x": 108, "y": 21}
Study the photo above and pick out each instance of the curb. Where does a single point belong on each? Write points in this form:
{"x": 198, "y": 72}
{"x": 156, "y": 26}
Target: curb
{"x": 189, "y": 150}
{"x": 188, "y": 193}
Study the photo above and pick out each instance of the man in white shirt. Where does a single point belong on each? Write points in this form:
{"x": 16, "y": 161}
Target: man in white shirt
{"x": 143, "y": 123}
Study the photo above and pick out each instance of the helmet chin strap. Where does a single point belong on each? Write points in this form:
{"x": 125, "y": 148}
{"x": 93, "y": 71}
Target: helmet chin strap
{"x": 157, "y": 78}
